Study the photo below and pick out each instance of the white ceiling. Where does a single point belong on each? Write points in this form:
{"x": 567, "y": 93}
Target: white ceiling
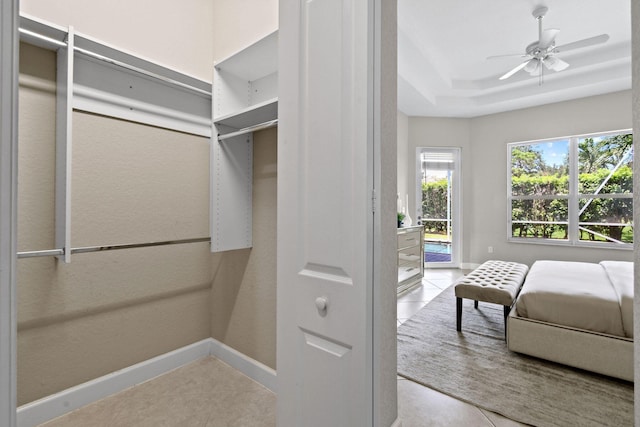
{"x": 443, "y": 45}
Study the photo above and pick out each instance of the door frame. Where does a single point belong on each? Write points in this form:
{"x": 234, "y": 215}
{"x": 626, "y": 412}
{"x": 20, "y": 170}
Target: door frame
{"x": 8, "y": 187}
{"x": 456, "y": 203}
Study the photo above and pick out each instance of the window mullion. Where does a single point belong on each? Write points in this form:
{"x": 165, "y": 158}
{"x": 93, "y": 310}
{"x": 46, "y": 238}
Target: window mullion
{"x": 574, "y": 180}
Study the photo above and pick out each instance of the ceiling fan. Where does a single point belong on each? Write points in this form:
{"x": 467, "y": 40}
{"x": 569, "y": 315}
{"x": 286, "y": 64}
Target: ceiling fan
{"x": 542, "y": 53}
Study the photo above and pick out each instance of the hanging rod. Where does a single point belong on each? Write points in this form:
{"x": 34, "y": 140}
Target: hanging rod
{"x": 33, "y": 34}
{"x": 36, "y": 254}
{"x": 38, "y": 36}
{"x": 86, "y": 249}
{"x": 249, "y": 129}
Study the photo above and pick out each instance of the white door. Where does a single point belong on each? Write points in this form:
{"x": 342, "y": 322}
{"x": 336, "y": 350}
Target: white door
{"x": 327, "y": 152}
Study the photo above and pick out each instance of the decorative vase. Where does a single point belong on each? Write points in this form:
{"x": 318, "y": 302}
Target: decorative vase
{"x": 407, "y": 219}
{"x": 407, "y": 222}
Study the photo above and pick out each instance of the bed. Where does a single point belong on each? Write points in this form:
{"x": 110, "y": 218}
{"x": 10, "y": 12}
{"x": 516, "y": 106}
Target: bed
{"x": 576, "y": 313}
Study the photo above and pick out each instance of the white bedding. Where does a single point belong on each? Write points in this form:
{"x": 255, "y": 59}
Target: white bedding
{"x": 580, "y": 295}
{"x": 621, "y": 276}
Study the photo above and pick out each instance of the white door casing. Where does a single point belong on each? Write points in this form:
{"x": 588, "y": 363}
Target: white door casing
{"x": 326, "y": 239}
{"x": 8, "y": 188}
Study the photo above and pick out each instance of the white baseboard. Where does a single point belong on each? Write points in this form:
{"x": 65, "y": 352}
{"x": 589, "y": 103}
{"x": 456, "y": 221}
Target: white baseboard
{"x": 252, "y": 368}
{"x": 469, "y": 266}
{"x": 55, "y": 405}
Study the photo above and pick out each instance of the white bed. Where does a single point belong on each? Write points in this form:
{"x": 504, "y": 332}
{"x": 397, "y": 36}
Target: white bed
{"x": 579, "y": 314}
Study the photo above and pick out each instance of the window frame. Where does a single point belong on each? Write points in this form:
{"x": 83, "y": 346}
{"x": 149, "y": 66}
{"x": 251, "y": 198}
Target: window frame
{"x": 573, "y": 197}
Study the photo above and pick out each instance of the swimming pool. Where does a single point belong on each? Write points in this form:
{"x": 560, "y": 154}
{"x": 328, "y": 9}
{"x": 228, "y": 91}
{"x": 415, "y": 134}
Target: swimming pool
{"x": 437, "y": 252}
{"x": 437, "y": 247}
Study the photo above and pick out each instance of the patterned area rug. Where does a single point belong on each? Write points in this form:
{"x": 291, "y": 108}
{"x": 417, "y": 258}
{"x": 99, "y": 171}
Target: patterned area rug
{"x": 477, "y": 367}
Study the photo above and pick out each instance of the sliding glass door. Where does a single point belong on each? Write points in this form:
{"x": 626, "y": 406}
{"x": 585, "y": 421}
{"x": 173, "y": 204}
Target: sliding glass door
{"x": 438, "y": 183}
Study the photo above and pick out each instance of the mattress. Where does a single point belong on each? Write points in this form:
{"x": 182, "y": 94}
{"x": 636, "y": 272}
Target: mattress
{"x": 579, "y": 295}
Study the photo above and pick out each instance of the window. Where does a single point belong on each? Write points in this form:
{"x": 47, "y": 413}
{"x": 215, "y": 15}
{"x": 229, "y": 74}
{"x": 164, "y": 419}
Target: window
{"x": 576, "y": 190}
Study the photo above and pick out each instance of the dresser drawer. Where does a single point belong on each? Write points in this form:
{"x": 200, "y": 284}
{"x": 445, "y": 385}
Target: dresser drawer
{"x": 409, "y": 256}
{"x": 411, "y": 238}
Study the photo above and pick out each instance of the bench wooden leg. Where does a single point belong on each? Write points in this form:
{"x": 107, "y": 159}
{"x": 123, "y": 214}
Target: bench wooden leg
{"x": 475, "y": 303}
{"x": 458, "y": 314}
{"x": 507, "y": 309}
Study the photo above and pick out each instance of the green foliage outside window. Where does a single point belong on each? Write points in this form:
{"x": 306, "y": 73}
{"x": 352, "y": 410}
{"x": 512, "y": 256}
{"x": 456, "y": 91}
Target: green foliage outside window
{"x": 434, "y": 205}
{"x": 540, "y": 191}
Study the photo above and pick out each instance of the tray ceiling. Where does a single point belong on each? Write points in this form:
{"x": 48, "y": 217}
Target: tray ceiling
{"x": 443, "y": 46}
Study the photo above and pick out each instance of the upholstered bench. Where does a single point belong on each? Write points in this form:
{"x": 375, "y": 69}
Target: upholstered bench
{"x": 496, "y": 282}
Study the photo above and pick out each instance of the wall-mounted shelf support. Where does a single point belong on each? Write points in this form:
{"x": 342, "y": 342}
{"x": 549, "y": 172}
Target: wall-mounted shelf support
{"x": 244, "y": 101}
{"x": 64, "y": 102}
{"x": 95, "y": 77}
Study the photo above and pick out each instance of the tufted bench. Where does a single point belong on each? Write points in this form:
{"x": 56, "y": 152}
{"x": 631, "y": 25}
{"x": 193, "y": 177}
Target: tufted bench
{"x": 496, "y": 282}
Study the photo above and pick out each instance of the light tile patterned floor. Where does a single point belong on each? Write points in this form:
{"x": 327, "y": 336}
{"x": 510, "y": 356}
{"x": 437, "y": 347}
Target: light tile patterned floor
{"x": 209, "y": 393}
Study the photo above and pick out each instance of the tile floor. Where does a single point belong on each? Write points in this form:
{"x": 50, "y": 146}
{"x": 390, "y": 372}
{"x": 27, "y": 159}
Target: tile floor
{"x": 420, "y": 406}
{"x": 208, "y": 393}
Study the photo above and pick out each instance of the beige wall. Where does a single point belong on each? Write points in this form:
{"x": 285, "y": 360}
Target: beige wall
{"x": 243, "y": 311}
{"x": 135, "y": 183}
{"x": 484, "y": 163}
{"x": 176, "y": 34}
{"x": 131, "y": 183}
{"x": 490, "y": 134}
{"x": 239, "y": 23}
{"x": 244, "y": 287}
{"x": 443, "y": 132}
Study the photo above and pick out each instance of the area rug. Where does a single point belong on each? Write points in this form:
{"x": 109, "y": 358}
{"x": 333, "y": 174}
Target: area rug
{"x": 476, "y": 366}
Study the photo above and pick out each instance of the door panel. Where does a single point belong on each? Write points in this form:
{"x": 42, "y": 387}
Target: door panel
{"x": 325, "y": 184}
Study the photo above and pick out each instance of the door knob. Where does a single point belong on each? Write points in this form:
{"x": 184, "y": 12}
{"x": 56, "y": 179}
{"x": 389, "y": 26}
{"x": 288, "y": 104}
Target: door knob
{"x": 321, "y": 303}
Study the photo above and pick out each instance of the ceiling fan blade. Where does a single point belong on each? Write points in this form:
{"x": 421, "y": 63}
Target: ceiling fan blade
{"x": 509, "y": 55}
{"x": 515, "y": 70}
{"x": 547, "y": 38}
{"x": 554, "y": 63}
{"x": 532, "y": 66}
{"x": 582, "y": 43}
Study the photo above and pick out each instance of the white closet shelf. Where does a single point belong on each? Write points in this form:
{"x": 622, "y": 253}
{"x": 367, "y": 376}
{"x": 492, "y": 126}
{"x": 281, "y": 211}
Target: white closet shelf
{"x": 255, "y": 61}
{"x": 244, "y": 100}
{"x": 259, "y": 113}
{"x": 51, "y": 36}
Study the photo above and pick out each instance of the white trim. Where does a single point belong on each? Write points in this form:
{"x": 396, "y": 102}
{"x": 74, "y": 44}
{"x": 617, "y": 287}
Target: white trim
{"x": 252, "y": 368}
{"x": 572, "y": 197}
{"x": 456, "y": 202}
{"x": 8, "y": 205}
{"x": 115, "y": 83}
{"x": 469, "y": 266}
{"x": 58, "y": 404}
{"x": 131, "y": 109}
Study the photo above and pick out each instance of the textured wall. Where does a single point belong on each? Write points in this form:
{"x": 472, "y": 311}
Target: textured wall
{"x": 131, "y": 183}
{"x": 243, "y": 295}
{"x": 106, "y": 311}
{"x": 243, "y": 303}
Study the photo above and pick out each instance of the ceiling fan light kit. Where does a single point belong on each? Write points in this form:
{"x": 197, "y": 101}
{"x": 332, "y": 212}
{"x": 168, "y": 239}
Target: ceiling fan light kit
{"x": 541, "y": 54}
